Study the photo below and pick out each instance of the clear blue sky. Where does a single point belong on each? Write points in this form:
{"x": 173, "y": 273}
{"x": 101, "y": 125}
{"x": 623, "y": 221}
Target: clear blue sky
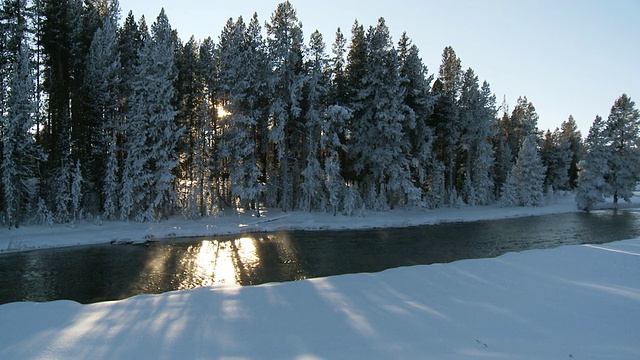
{"x": 567, "y": 56}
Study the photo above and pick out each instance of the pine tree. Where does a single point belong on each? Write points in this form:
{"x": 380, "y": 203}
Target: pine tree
{"x": 522, "y": 124}
{"x": 556, "y": 156}
{"x": 103, "y": 96}
{"x": 16, "y": 18}
{"x": 418, "y": 107}
{"x": 378, "y": 141}
{"x": 84, "y": 19}
{"x": 477, "y": 115}
{"x": 355, "y": 72}
{"x": 571, "y": 133}
{"x": 503, "y": 153}
{"x": 525, "y": 183}
{"x": 622, "y": 131}
{"x": 445, "y": 118}
{"x": 239, "y": 73}
{"x": 56, "y": 38}
{"x": 285, "y": 45}
{"x": 131, "y": 39}
{"x": 316, "y": 92}
{"x": 189, "y": 105}
{"x": 332, "y": 136}
{"x": 152, "y": 135}
{"x": 593, "y": 168}
{"x": 20, "y": 153}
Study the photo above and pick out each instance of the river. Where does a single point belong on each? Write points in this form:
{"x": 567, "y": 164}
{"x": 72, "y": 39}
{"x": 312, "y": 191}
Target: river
{"x": 110, "y": 272}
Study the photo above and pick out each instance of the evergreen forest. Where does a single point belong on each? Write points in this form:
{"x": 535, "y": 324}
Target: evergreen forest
{"x": 109, "y": 116}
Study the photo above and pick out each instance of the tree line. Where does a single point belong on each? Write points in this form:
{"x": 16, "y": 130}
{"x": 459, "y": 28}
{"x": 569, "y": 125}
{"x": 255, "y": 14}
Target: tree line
{"x": 101, "y": 116}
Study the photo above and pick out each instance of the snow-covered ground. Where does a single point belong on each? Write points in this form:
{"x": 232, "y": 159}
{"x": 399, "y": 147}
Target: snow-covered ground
{"x": 94, "y": 232}
{"x": 580, "y": 302}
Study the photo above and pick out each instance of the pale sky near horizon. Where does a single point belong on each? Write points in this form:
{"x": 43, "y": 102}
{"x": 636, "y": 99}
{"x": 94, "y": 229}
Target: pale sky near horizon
{"x": 568, "y": 57}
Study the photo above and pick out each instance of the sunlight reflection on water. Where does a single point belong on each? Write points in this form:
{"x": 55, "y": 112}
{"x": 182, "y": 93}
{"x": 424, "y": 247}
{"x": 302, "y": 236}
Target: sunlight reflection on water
{"x": 213, "y": 262}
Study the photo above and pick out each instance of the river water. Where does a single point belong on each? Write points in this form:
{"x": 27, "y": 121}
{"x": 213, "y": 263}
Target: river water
{"x": 109, "y": 272}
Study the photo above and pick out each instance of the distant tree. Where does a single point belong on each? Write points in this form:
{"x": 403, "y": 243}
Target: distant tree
{"x": 525, "y": 183}
{"x": 571, "y": 133}
{"x": 556, "y": 156}
{"x": 522, "y": 123}
{"x": 503, "y": 154}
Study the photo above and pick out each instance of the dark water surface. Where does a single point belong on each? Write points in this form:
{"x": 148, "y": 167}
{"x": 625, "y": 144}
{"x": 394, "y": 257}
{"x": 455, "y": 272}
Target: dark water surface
{"x": 109, "y": 272}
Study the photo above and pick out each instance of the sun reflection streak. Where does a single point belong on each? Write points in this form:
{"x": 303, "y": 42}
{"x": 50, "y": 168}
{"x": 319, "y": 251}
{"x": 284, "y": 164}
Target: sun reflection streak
{"x": 217, "y": 262}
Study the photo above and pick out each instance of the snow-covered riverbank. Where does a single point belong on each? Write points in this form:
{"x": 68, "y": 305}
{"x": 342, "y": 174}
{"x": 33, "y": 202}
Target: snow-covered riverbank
{"x": 577, "y": 302}
{"x": 41, "y": 237}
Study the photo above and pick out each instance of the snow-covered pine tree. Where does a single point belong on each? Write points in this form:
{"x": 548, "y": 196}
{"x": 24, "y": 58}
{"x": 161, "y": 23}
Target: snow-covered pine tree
{"x": 238, "y": 73}
{"x": 483, "y": 163}
{"x": 355, "y": 72}
{"x": 445, "y": 117}
{"x": 203, "y": 200}
{"x": 522, "y": 123}
{"x": 332, "y": 136}
{"x": 332, "y": 145}
{"x": 316, "y": 90}
{"x": 593, "y": 168}
{"x": 152, "y": 134}
{"x": 285, "y": 44}
{"x": 622, "y": 130}
{"x": 191, "y": 106}
{"x": 477, "y": 116}
{"x": 103, "y": 95}
{"x": 418, "y": 107}
{"x": 20, "y": 152}
{"x": 131, "y": 39}
{"x": 525, "y": 183}
{"x": 258, "y": 71}
{"x": 379, "y": 143}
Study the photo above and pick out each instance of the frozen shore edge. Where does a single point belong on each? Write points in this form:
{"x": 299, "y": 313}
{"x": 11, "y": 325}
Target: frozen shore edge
{"x": 37, "y": 237}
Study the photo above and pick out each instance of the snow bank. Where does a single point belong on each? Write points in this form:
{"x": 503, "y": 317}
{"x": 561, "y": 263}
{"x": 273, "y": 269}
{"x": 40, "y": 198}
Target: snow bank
{"x": 39, "y": 237}
{"x": 571, "y": 302}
